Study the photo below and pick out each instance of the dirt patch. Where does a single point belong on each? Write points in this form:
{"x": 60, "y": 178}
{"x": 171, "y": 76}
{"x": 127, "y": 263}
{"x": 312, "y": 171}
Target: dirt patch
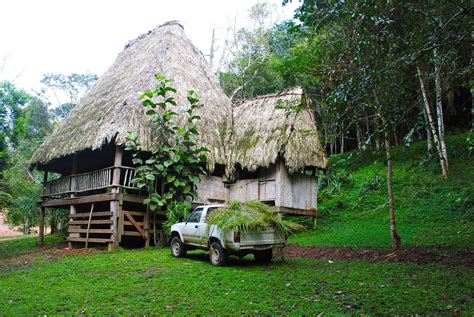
{"x": 49, "y": 253}
{"x": 7, "y": 230}
{"x": 408, "y": 254}
{"x": 153, "y": 271}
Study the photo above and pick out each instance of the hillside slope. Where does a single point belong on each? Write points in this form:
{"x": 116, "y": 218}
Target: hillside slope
{"x": 431, "y": 212}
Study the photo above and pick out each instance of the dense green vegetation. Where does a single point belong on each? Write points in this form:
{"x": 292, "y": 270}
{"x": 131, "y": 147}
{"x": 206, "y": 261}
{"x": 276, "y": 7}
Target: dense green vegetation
{"x": 151, "y": 281}
{"x": 432, "y": 211}
{"x": 25, "y": 121}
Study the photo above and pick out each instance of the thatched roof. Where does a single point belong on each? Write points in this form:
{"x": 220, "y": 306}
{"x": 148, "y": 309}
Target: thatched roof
{"x": 262, "y": 133}
{"x": 251, "y": 134}
{"x": 111, "y": 107}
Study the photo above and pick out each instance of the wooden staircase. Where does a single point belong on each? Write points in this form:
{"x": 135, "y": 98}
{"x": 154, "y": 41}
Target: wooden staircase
{"x": 91, "y": 227}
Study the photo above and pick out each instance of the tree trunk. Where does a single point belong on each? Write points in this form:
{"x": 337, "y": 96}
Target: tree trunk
{"x": 433, "y": 128}
{"x": 391, "y": 200}
{"x": 377, "y": 134}
{"x": 429, "y": 141}
{"x": 26, "y": 225}
{"x": 342, "y": 138}
{"x": 387, "y": 128}
{"x": 439, "y": 109}
{"x": 367, "y": 132}
{"x": 359, "y": 136}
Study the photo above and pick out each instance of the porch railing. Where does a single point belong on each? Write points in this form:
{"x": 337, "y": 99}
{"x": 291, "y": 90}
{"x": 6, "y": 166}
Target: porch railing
{"x": 95, "y": 180}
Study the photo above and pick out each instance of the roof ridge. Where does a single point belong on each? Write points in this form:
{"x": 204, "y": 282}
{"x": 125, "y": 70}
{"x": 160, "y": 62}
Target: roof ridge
{"x": 144, "y": 35}
{"x": 286, "y": 92}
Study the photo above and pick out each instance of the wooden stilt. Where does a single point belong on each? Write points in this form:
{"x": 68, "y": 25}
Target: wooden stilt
{"x": 42, "y": 213}
{"x": 41, "y": 227}
{"x": 114, "y": 205}
{"x": 146, "y": 224}
{"x": 72, "y": 208}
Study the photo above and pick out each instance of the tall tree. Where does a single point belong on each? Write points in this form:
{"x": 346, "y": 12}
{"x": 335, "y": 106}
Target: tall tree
{"x": 12, "y": 118}
{"x": 72, "y": 85}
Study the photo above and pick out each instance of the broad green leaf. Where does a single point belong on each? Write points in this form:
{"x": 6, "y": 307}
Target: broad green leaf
{"x": 150, "y": 177}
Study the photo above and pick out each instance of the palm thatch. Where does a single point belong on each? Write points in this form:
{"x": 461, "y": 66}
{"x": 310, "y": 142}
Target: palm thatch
{"x": 251, "y": 134}
{"x": 249, "y": 216}
{"x": 262, "y": 132}
{"x": 111, "y": 107}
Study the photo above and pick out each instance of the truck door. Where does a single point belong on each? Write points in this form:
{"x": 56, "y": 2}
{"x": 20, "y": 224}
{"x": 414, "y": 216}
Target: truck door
{"x": 190, "y": 230}
{"x": 202, "y": 228}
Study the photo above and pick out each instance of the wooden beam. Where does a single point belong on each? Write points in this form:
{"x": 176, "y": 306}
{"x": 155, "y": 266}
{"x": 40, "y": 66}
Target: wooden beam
{"x": 294, "y": 211}
{"x": 77, "y": 229}
{"x": 132, "y": 233}
{"x": 132, "y": 198}
{"x": 57, "y": 203}
{"x": 93, "y": 240}
{"x": 95, "y": 214}
{"x": 93, "y": 222}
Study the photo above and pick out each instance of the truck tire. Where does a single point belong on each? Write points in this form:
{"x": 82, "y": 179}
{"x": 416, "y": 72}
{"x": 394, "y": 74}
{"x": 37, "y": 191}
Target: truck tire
{"x": 178, "y": 248}
{"x": 217, "y": 254}
{"x": 264, "y": 256}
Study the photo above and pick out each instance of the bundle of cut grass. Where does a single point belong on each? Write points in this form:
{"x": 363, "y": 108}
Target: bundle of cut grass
{"x": 249, "y": 216}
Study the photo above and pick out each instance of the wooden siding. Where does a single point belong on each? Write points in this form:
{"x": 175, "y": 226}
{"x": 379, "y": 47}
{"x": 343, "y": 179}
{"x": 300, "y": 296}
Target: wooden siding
{"x": 296, "y": 191}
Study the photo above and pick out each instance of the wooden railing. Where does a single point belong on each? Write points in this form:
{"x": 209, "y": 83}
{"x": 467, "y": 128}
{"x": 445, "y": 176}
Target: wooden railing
{"x": 94, "y": 180}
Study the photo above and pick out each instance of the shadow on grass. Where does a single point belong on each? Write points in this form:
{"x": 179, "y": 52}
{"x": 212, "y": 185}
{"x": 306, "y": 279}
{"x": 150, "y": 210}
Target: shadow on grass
{"x": 232, "y": 261}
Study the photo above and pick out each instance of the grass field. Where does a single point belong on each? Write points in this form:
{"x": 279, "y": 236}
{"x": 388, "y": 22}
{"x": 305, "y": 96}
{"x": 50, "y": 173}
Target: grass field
{"x": 432, "y": 213}
{"x": 151, "y": 281}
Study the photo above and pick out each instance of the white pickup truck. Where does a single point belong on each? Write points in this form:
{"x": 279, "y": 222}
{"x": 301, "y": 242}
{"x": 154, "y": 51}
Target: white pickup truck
{"x": 193, "y": 234}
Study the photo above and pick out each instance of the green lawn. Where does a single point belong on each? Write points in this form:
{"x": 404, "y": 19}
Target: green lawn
{"x": 151, "y": 281}
{"x": 431, "y": 212}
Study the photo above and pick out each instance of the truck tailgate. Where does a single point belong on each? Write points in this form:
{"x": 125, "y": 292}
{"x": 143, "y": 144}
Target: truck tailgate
{"x": 261, "y": 237}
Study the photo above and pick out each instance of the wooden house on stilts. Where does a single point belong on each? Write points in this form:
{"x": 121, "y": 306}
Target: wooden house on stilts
{"x": 257, "y": 152}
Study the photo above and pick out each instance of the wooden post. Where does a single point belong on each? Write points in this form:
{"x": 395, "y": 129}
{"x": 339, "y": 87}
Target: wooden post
{"x": 42, "y": 212}
{"x": 115, "y": 205}
{"x": 72, "y": 187}
{"x": 41, "y": 228}
{"x": 146, "y": 225}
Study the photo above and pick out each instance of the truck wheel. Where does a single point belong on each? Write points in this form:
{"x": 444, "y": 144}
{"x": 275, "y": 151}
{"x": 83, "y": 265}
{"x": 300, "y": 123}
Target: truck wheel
{"x": 178, "y": 249}
{"x": 264, "y": 256}
{"x": 217, "y": 254}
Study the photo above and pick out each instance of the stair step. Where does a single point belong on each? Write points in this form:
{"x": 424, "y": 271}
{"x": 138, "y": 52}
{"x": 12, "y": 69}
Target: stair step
{"x": 94, "y": 214}
{"x": 92, "y": 240}
{"x": 93, "y": 222}
{"x": 84, "y": 230}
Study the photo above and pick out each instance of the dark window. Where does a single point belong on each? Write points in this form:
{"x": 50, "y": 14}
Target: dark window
{"x": 195, "y": 216}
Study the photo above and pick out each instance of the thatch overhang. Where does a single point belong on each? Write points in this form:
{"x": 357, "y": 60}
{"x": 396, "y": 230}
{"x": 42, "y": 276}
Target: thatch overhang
{"x": 266, "y": 129}
{"x": 250, "y": 134}
{"x": 111, "y": 107}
